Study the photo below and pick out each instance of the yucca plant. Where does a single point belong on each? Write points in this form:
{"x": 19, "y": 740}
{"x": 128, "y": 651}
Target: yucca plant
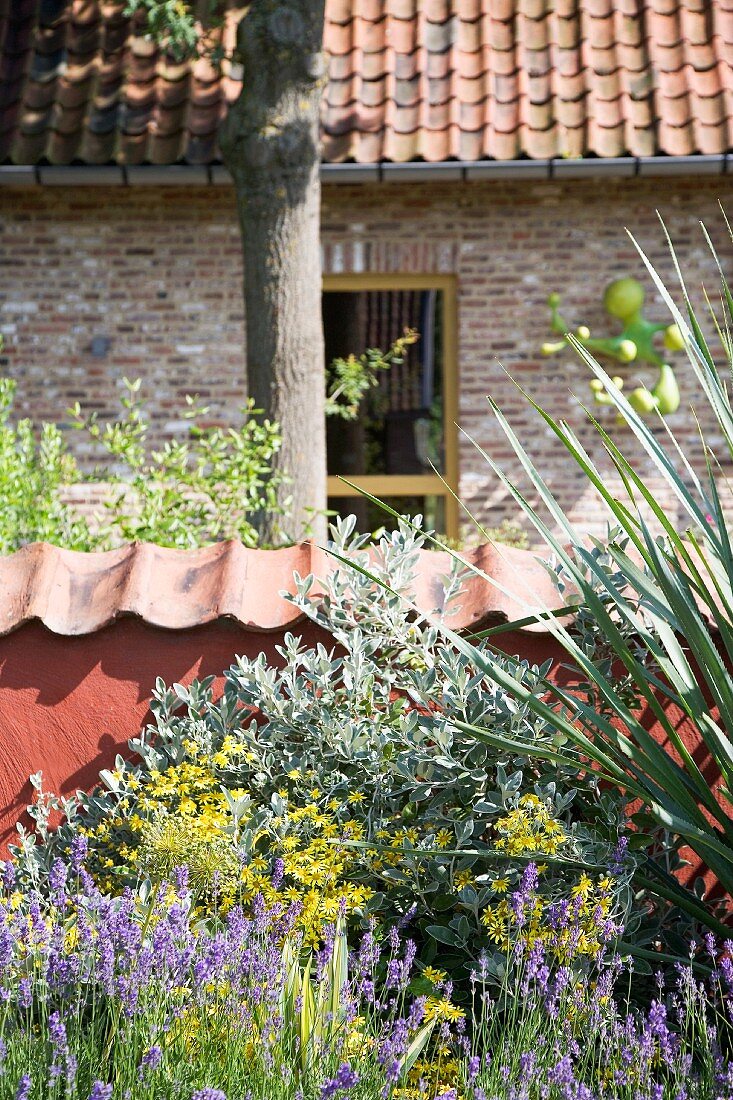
{"x": 661, "y": 598}
{"x": 315, "y": 1007}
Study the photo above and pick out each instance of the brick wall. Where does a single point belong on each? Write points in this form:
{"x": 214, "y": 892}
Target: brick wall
{"x": 158, "y": 272}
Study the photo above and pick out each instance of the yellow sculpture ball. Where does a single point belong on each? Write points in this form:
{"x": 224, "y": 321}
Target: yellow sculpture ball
{"x": 623, "y": 298}
{"x": 673, "y": 338}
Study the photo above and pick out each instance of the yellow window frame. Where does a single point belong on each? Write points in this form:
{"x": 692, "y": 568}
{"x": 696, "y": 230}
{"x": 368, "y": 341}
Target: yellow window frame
{"x": 391, "y": 485}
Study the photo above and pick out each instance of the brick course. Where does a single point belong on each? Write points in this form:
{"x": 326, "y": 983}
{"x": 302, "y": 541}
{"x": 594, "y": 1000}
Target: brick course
{"x": 158, "y": 272}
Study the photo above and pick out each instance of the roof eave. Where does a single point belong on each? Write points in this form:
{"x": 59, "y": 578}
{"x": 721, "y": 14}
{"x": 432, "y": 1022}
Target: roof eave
{"x": 384, "y": 172}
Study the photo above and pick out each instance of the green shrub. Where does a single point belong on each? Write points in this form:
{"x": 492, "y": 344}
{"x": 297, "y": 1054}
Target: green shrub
{"x": 205, "y": 488}
{"x": 33, "y": 471}
{"x": 212, "y": 485}
{"x": 364, "y": 769}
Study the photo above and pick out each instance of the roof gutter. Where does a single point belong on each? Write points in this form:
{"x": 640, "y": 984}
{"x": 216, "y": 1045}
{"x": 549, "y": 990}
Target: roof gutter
{"x": 189, "y": 175}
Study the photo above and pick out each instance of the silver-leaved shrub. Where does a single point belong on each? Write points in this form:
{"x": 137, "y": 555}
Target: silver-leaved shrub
{"x": 359, "y": 753}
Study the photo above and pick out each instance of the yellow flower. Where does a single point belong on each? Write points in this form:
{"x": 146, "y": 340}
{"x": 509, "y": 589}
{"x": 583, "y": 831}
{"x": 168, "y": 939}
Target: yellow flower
{"x": 583, "y": 887}
{"x": 501, "y": 885}
{"x": 442, "y": 1009}
{"x": 443, "y": 838}
{"x": 433, "y": 975}
{"x": 355, "y": 798}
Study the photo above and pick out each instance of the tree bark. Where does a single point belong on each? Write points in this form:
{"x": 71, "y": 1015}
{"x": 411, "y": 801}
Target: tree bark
{"x": 270, "y": 143}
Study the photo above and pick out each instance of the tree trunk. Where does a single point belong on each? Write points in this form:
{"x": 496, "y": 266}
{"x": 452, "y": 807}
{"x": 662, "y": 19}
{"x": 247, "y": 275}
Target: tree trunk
{"x": 270, "y": 143}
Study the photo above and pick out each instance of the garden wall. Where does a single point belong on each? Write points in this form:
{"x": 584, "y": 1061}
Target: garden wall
{"x": 157, "y": 271}
{"x": 84, "y": 636}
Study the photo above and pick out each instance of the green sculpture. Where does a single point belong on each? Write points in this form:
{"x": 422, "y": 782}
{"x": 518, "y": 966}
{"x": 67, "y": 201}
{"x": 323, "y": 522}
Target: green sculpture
{"x": 624, "y": 300}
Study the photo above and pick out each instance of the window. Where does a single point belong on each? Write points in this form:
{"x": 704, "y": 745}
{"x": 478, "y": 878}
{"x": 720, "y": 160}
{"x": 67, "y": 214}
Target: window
{"x": 406, "y": 425}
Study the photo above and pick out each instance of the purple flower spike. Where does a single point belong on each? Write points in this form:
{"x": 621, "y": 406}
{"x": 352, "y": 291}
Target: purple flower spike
{"x": 617, "y": 863}
{"x": 345, "y": 1079}
{"x": 209, "y": 1094}
{"x": 24, "y": 1087}
{"x": 150, "y": 1060}
{"x": 8, "y": 876}
{"x": 278, "y": 871}
{"x": 79, "y": 849}
{"x": 100, "y": 1091}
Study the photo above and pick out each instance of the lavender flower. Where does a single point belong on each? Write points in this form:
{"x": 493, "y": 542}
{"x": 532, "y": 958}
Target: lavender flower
{"x": 150, "y": 1061}
{"x": 59, "y": 1047}
{"x": 278, "y": 871}
{"x": 520, "y": 898}
{"x": 78, "y": 852}
{"x": 57, "y": 881}
{"x": 24, "y": 1088}
{"x": 100, "y": 1091}
{"x": 345, "y": 1079}
{"x": 617, "y": 862}
{"x": 8, "y": 875}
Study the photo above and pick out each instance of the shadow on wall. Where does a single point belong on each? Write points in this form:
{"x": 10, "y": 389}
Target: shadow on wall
{"x": 68, "y": 705}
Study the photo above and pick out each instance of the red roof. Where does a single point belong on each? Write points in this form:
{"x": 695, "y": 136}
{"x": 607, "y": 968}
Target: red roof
{"x": 408, "y": 79}
{"x": 73, "y": 593}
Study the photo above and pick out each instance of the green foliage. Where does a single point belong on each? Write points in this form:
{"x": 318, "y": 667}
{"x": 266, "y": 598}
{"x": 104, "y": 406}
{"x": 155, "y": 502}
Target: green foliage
{"x": 206, "y": 488}
{"x": 190, "y": 492}
{"x": 33, "y": 471}
{"x": 507, "y": 533}
{"x": 209, "y": 486}
{"x": 654, "y": 603}
{"x": 174, "y": 23}
{"x": 349, "y": 380}
{"x": 394, "y": 744}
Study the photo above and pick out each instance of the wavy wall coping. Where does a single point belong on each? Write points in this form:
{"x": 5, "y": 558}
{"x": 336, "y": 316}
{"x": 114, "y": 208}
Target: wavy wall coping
{"x": 74, "y": 593}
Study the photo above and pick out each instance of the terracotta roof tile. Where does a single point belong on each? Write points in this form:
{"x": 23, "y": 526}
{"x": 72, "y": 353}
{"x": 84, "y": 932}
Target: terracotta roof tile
{"x": 73, "y": 593}
{"x": 430, "y": 79}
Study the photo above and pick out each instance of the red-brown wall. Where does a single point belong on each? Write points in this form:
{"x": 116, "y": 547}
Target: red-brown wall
{"x": 68, "y": 705}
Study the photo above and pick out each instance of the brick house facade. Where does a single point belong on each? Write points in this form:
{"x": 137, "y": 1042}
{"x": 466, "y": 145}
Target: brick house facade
{"x": 157, "y": 271}
{"x": 145, "y": 281}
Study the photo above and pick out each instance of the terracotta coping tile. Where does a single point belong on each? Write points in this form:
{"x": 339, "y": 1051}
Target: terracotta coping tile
{"x": 340, "y": 11}
{"x": 502, "y": 9}
{"x": 167, "y": 148}
{"x": 73, "y": 593}
{"x": 133, "y": 148}
{"x": 203, "y": 121}
{"x": 63, "y": 147}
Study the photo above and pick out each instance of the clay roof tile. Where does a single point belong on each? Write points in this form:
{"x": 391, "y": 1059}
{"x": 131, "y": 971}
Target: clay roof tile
{"x": 407, "y": 78}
